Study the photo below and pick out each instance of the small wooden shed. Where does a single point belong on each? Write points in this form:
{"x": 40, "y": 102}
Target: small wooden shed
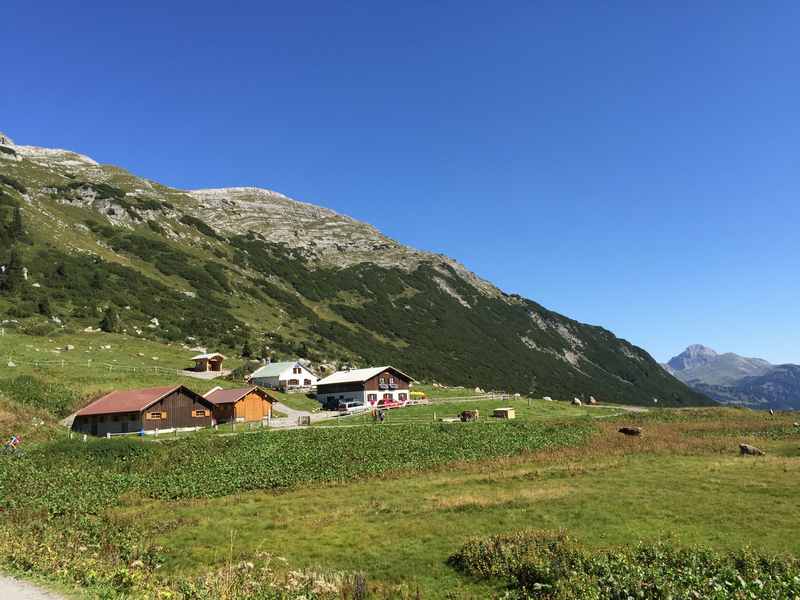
{"x": 240, "y": 404}
{"x": 208, "y": 362}
{"x": 506, "y": 412}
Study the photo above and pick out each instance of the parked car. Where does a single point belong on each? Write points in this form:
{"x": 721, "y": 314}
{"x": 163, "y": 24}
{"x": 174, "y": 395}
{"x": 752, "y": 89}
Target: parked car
{"x": 351, "y": 407}
{"x": 389, "y": 403}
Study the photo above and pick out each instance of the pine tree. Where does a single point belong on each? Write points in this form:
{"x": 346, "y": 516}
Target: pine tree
{"x": 110, "y": 322}
{"x": 17, "y": 228}
{"x": 13, "y": 277}
{"x": 98, "y": 280}
{"x": 44, "y": 307}
{"x": 247, "y": 351}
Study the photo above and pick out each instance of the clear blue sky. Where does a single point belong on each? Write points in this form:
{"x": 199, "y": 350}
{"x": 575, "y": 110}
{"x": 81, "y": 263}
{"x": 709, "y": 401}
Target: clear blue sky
{"x": 630, "y": 164}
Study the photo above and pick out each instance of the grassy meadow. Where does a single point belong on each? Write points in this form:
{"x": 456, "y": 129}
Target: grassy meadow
{"x": 325, "y": 511}
{"x": 442, "y": 407}
{"x": 683, "y": 481}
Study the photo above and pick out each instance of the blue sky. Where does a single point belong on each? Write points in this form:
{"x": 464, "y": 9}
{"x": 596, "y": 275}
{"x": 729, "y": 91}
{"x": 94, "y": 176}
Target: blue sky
{"x": 633, "y": 165}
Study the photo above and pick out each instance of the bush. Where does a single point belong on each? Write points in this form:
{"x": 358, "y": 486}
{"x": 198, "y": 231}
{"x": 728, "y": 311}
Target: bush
{"x": 10, "y": 181}
{"x": 201, "y": 226}
{"x": 29, "y": 391}
{"x": 554, "y": 566}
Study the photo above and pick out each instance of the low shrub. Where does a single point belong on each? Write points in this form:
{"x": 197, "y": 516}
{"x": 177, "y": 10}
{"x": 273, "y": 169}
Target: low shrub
{"x": 10, "y": 181}
{"x": 30, "y": 391}
{"x": 553, "y": 566}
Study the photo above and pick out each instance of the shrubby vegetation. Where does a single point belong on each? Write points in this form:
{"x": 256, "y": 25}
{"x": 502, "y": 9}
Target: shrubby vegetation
{"x": 201, "y": 226}
{"x": 554, "y": 566}
{"x": 434, "y": 336}
{"x": 28, "y": 391}
{"x": 10, "y": 181}
{"x": 115, "y": 563}
{"x": 88, "y": 288}
{"x": 166, "y": 258}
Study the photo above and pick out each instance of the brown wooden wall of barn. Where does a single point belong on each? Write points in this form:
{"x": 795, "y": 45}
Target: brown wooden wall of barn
{"x": 179, "y": 407}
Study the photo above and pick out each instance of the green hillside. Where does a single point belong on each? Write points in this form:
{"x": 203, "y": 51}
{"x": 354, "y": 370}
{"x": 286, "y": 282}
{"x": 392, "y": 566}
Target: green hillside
{"x": 88, "y": 245}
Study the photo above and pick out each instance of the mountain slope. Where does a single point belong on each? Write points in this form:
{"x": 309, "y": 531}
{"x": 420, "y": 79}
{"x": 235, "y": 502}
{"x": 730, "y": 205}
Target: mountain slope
{"x": 220, "y": 266}
{"x": 699, "y": 363}
{"x": 733, "y": 379}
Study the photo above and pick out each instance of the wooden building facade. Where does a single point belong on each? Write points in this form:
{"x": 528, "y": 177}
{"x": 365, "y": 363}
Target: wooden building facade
{"x": 208, "y": 362}
{"x": 240, "y": 405}
{"x": 145, "y": 411}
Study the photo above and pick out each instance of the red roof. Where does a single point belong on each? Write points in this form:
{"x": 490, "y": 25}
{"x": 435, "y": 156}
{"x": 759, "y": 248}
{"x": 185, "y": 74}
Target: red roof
{"x": 232, "y": 396}
{"x": 123, "y": 401}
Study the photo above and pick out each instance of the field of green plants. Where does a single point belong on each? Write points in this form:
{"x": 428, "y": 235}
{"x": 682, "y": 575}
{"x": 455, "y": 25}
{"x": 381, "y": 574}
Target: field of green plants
{"x": 74, "y": 477}
{"x": 56, "y": 495}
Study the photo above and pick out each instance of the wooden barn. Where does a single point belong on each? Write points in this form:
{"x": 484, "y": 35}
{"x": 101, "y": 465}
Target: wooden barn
{"x": 240, "y": 404}
{"x": 145, "y": 410}
{"x": 208, "y": 362}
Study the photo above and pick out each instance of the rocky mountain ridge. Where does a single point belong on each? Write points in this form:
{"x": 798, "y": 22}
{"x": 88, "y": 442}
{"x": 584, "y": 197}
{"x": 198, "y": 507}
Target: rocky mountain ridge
{"x": 299, "y": 279}
{"x": 733, "y": 379}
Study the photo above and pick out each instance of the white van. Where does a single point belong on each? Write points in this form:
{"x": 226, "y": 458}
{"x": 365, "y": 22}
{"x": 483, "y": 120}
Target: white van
{"x": 351, "y": 407}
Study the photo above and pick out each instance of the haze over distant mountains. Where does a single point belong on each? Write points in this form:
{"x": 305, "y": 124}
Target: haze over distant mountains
{"x": 734, "y": 379}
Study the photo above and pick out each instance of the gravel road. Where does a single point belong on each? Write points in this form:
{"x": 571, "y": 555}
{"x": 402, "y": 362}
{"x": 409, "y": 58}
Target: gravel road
{"x": 22, "y": 590}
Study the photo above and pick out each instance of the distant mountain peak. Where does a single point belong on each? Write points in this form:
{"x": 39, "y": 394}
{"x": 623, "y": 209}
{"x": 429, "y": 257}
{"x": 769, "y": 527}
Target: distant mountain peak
{"x": 700, "y": 350}
{"x": 695, "y": 355}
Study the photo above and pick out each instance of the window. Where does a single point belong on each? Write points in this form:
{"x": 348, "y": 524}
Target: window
{"x": 402, "y": 397}
{"x": 200, "y": 413}
{"x": 306, "y": 382}
{"x": 391, "y": 379}
{"x": 297, "y": 370}
{"x": 382, "y": 380}
{"x": 155, "y": 416}
{"x": 294, "y": 381}
{"x": 372, "y": 397}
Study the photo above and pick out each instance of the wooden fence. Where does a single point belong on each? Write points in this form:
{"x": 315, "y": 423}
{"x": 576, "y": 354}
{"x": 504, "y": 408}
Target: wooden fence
{"x": 90, "y": 364}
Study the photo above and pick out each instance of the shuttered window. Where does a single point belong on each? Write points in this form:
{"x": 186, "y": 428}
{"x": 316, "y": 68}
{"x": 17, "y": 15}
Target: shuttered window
{"x": 155, "y": 416}
{"x": 201, "y": 413}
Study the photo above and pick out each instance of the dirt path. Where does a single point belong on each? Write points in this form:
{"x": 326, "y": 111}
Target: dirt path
{"x": 290, "y": 421}
{"x": 22, "y": 590}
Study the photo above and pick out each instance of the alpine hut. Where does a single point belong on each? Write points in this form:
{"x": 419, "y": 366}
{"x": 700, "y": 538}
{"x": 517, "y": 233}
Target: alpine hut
{"x": 240, "y": 404}
{"x": 145, "y": 410}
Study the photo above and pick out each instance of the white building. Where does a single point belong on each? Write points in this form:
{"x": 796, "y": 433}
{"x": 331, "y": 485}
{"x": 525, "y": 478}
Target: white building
{"x": 283, "y": 376}
{"x": 374, "y": 387}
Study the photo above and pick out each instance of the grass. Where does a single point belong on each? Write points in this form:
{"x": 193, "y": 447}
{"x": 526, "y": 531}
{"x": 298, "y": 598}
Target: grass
{"x": 683, "y": 480}
{"x": 90, "y": 369}
{"x": 442, "y": 392}
{"x": 526, "y": 410}
{"x": 296, "y": 401}
{"x": 675, "y": 481}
